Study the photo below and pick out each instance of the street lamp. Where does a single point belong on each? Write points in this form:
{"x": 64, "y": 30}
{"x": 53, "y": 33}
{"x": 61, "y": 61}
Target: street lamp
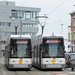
{"x": 74, "y": 7}
{"x": 16, "y": 30}
{"x": 61, "y": 28}
{"x": 16, "y": 26}
{"x": 42, "y": 26}
{"x": 20, "y": 26}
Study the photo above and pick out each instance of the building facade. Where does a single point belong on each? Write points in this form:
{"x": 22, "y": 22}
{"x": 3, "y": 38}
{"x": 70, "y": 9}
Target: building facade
{"x": 12, "y": 17}
{"x": 72, "y": 31}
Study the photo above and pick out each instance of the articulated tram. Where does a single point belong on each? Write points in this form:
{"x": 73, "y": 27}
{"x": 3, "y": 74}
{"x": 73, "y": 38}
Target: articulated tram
{"x": 48, "y": 52}
{"x": 18, "y": 52}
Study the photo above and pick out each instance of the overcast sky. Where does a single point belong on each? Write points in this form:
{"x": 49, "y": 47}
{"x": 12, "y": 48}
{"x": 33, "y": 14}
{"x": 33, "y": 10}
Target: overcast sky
{"x": 57, "y": 11}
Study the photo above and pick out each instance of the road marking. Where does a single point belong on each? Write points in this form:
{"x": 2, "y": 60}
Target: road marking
{"x": 62, "y": 74}
{"x": 57, "y": 72}
{"x": 71, "y": 72}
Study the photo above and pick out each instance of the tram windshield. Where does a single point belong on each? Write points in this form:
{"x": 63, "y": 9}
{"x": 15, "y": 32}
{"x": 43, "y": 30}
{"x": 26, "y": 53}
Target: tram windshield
{"x": 20, "y": 48}
{"x": 53, "y": 48}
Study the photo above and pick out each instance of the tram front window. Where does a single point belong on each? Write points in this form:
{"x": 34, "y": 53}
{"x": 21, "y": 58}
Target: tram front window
{"x": 21, "y": 50}
{"x": 53, "y": 49}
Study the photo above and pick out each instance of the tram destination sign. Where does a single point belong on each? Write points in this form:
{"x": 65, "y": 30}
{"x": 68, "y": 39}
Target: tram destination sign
{"x": 22, "y": 42}
{"x": 53, "y": 41}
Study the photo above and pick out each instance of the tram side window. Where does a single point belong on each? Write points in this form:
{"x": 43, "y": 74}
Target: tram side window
{"x": 13, "y": 46}
{"x": 14, "y": 51}
{"x": 46, "y": 49}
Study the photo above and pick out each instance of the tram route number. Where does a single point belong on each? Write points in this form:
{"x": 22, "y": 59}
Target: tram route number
{"x": 20, "y": 61}
{"x": 53, "y": 61}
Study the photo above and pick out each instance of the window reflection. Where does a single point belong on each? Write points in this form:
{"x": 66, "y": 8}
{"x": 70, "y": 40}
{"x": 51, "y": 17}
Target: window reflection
{"x": 20, "y": 50}
{"x": 53, "y": 49}
{"x": 27, "y": 15}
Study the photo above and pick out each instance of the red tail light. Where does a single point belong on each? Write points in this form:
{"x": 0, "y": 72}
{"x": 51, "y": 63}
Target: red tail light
{"x": 69, "y": 59}
{"x": 65, "y": 57}
{"x": 28, "y": 64}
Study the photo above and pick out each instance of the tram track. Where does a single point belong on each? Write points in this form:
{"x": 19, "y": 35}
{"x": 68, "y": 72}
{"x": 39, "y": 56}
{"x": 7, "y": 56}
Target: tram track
{"x": 23, "y": 73}
{"x": 36, "y": 73}
{"x": 29, "y": 73}
{"x": 12, "y": 72}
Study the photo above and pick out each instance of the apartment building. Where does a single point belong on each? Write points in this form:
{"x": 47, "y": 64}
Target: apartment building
{"x": 72, "y": 31}
{"x": 13, "y": 18}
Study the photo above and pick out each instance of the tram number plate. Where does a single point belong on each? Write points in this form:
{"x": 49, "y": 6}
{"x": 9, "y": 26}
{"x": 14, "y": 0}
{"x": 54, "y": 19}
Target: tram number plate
{"x": 53, "y": 61}
{"x": 20, "y": 61}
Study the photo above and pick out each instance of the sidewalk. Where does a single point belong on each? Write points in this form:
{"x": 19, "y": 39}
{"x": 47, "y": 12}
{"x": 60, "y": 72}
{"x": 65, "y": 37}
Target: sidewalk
{"x": 1, "y": 58}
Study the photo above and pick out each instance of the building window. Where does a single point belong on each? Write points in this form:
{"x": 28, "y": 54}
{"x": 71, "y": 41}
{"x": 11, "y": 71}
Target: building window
{"x": 7, "y": 3}
{"x": 3, "y": 42}
{"x": 9, "y": 24}
{"x": 28, "y": 15}
{"x": 74, "y": 21}
{"x": 5, "y": 24}
{"x": 29, "y": 25}
{"x": 13, "y": 13}
{"x": 19, "y": 14}
{"x": 34, "y": 14}
{"x": 74, "y": 35}
{"x": 23, "y": 15}
{"x": 1, "y": 23}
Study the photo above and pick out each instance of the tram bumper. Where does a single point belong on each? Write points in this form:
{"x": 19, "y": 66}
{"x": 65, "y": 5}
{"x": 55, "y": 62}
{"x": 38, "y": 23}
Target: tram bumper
{"x": 53, "y": 66}
{"x": 11, "y": 66}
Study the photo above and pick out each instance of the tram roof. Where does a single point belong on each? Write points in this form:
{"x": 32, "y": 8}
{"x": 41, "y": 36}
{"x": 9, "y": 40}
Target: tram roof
{"x": 17, "y": 36}
{"x": 52, "y": 35}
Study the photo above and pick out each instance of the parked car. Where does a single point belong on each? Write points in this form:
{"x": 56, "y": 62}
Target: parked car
{"x": 69, "y": 57}
{"x": 73, "y": 63}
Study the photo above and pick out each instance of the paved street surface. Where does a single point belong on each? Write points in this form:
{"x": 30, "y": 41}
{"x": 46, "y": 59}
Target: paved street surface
{"x": 33, "y": 71}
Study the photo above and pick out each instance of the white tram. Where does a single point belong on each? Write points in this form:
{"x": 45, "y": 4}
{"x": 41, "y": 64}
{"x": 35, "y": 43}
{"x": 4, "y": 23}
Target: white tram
{"x": 48, "y": 52}
{"x": 18, "y": 52}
